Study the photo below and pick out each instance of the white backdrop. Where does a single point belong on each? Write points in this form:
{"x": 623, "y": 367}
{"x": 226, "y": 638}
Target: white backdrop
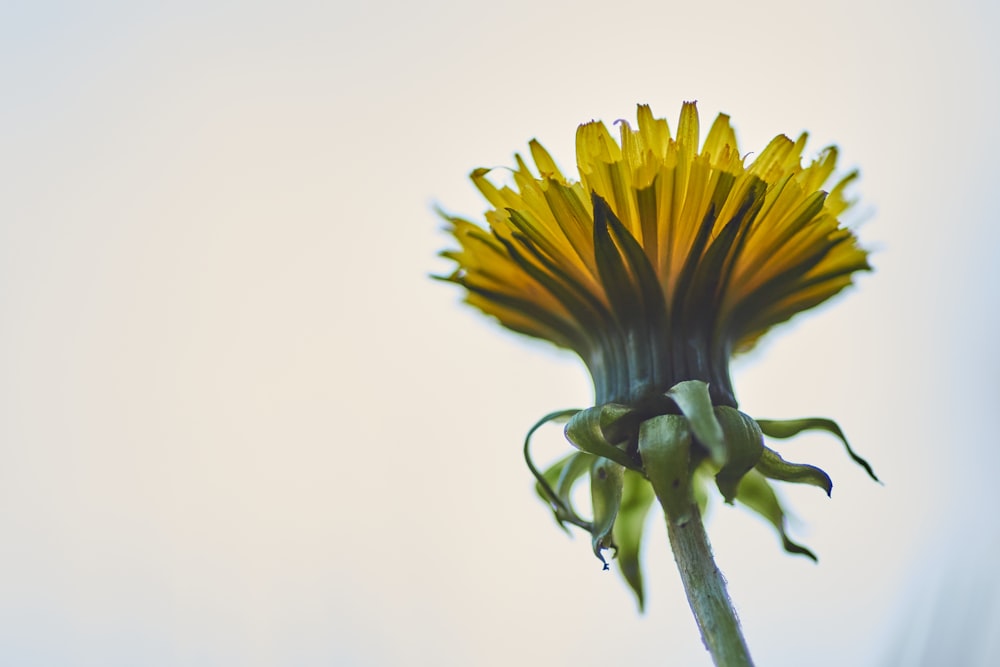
{"x": 240, "y": 426}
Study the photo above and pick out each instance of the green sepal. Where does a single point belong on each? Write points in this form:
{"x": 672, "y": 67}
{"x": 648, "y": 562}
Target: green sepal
{"x": 744, "y": 445}
{"x": 587, "y": 431}
{"x": 560, "y": 477}
{"x": 756, "y": 493}
{"x": 544, "y": 483}
{"x": 773, "y": 466}
{"x": 694, "y": 401}
{"x": 637, "y": 497}
{"x": 701, "y": 481}
{"x": 665, "y": 448}
{"x": 606, "y": 483}
{"x": 788, "y": 428}
{"x": 578, "y": 465}
{"x": 557, "y": 500}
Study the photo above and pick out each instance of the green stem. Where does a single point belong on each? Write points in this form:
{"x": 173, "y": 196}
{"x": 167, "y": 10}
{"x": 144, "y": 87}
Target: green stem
{"x": 706, "y": 590}
{"x": 665, "y": 447}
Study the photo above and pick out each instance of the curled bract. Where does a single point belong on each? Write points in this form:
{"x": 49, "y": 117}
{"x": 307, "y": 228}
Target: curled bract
{"x": 632, "y": 458}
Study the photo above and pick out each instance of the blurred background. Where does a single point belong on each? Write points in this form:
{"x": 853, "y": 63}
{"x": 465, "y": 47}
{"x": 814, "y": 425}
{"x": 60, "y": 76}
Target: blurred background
{"x": 240, "y": 426}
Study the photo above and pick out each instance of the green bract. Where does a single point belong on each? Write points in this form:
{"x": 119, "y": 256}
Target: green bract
{"x": 632, "y": 458}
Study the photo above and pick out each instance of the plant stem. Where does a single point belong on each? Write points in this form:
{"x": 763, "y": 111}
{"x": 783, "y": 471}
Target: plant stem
{"x": 706, "y": 589}
{"x": 665, "y": 447}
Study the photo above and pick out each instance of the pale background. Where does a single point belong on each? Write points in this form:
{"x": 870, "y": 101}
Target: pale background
{"x": 240, "y": 426}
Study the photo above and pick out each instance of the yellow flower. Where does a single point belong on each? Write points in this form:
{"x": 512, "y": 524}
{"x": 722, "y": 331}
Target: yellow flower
{"x": 663, "y": 259}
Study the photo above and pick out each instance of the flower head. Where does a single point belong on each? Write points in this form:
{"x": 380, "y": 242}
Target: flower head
{"x": 665, "y": 257}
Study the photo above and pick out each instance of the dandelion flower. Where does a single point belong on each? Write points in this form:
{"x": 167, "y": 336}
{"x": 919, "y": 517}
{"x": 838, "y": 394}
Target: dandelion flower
{"x": 662, "y": 259}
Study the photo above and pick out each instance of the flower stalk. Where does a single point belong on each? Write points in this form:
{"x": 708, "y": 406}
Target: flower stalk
{"x": 665, "y": 447}
{"x": 706, "y": 590}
